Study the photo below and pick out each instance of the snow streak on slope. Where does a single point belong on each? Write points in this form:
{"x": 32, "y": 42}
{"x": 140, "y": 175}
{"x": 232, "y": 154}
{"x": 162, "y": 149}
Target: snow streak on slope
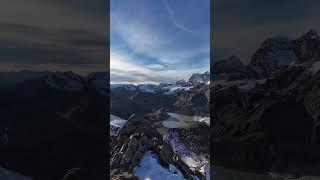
{"x": 116, "y": 123}
{"x": 187, "y": 154}
{"x": 202, "y": 119}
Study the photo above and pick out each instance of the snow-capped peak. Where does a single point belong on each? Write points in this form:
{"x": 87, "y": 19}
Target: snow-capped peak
{"x": 181, "y": 83}
{"x": 198, "y": 78}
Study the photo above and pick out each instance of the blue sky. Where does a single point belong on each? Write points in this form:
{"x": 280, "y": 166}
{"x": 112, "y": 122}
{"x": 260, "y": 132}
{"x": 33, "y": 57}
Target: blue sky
{"x": 154, "y": 41}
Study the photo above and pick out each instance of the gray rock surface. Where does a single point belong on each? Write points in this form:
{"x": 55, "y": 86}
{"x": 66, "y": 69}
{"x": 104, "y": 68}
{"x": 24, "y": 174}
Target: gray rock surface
{"x": 136, "y": 138}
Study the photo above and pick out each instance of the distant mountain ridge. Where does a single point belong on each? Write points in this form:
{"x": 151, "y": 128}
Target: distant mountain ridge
{"x": 272, "y": 55}
{"x": 63, "y": 81}
{"x": 194, "y": 80}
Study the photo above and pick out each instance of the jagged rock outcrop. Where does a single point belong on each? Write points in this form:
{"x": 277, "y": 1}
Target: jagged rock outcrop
{"x": 65, "y": 81}
{"x": 135, "y": 139}
{"x": 230, "y": 68}
{"x": 181, "y": 83}
{"x": 121, "y": 174}
{"x": 307, "y": 47}
{"x": 272, "y": 54}
{"x": 193, "y": 102}
{"x": 157, "y": 116}
{"x": 198, "y": 135}
{"x": 232, "y": 64}
{"x": 198, "y": 78}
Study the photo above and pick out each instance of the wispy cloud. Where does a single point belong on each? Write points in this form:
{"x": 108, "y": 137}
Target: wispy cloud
{"x": 139, "y": 36}
{"x": 124, "y": 70}
{"x": 144, "y": 39}
{"x": 171, "y": 13}
{"x": 156, "y": 66}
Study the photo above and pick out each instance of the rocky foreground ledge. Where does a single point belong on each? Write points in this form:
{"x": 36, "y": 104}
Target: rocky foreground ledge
{"x": 136, "y": 138}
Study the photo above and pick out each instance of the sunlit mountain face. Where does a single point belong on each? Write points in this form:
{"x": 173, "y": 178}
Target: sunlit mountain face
{"x": 158, "y": 41}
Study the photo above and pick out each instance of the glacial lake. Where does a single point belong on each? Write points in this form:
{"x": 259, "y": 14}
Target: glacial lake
{"x": 182, "y": 121}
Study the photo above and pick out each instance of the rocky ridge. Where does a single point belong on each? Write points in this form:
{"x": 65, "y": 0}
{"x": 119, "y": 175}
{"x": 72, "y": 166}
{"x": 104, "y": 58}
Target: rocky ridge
{"x": 136, "y": 138}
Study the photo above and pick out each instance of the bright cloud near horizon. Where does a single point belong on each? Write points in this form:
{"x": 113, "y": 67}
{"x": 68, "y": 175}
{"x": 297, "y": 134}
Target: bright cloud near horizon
{"x": 158, "y": 41}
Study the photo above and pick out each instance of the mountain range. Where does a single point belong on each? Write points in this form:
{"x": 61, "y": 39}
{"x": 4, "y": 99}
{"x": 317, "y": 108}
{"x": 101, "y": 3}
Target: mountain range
{"x": 273, "y": 54}
{"x": 194, "y": 80}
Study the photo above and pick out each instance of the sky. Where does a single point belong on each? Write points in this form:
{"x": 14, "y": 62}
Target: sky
{"x": 154, "y": 41}
{"x": 53, "y": 35}
{"x": 239, "y": 27}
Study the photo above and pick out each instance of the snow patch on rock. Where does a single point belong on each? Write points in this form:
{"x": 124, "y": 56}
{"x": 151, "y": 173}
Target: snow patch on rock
{"x": 202, "y": 119}
{"x": 149, "y": 168}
